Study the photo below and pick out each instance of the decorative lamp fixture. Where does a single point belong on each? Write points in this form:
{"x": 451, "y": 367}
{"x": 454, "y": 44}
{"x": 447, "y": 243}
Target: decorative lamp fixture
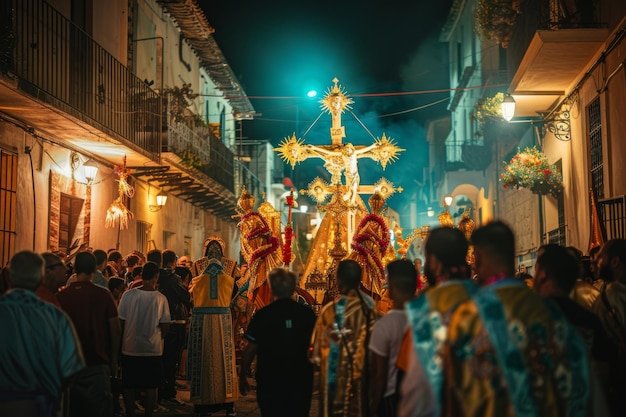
{"x": 447, "y": 201}
{"x": 161, "y": 199}
{"x": 508, "y": 107}
{"x": 90, "y": 169}
{"x": 559, "y": 125}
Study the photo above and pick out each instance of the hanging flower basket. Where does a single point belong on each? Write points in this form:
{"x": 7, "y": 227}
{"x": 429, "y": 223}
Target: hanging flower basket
{"x": 495, "y": 19}
{"x": 530, "y": 169}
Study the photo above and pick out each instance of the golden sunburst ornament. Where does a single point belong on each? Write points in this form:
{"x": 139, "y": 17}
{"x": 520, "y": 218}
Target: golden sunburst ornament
{"x": 292, "y": 150}
{"x": 336, "y": 100}
{"x": 386, "y": 151}
{"x": 318, "y": 190}
{"x": 385, "y": 188}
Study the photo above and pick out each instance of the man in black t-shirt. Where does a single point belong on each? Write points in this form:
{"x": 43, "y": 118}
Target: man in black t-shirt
{"x": 279, "y": 335}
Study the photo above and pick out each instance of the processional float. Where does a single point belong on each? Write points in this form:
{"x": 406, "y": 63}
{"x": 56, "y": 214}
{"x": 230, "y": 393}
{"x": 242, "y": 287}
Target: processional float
{"x": 348, "y": 229}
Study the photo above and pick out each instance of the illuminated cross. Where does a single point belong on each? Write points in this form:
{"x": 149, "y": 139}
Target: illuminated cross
{"x": 340, "y": 158}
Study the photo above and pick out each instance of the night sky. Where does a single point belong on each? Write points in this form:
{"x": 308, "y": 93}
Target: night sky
{"x": 280, "y": 49}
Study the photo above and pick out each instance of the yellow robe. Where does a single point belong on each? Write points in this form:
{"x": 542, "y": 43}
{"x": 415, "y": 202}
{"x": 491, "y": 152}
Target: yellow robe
{"x": 211, "y": 351}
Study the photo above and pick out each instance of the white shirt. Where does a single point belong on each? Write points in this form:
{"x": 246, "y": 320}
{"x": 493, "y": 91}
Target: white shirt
{"x": 417, "y": 398}
{"x": 142, "y": 312}
{"x": 386, "y": 341}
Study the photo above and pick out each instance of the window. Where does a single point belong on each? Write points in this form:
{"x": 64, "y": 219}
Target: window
{"x": 595, "y": 145}
{"x": 8, "y": 205}
{"x": 70, "y": 209}
{"x": 142, "y": 237}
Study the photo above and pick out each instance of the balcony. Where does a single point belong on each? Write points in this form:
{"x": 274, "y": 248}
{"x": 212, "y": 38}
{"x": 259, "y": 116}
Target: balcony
{"x": 550, "y": 47}
{"x": 199, "y": 170}
{"x": 612, "y": 213}
{"x": 53, "y": 76}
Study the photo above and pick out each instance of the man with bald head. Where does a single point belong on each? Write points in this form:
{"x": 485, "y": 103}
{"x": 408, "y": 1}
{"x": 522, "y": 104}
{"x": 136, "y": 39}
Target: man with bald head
{"x": 39, "y": 348}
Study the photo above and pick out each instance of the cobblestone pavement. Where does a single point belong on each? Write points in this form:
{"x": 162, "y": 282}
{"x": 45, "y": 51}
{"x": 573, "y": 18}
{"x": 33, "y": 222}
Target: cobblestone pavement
{"x": 244, "y": 407}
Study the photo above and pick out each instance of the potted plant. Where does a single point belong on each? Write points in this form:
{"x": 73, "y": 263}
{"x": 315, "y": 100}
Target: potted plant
{"x": 530, "y": 169}
{"x": 495, "y": 19}
{"x": 488, "y": 108}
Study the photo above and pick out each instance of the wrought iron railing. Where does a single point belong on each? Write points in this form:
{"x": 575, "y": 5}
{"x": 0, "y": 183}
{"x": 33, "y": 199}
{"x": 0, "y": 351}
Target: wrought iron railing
{"x": 199, "y": 148}
{"x": 58, "y": 63}
{"x": 243, "y": 176}
{"x": 612, "y": 213}
{"x": 557, "y": 236}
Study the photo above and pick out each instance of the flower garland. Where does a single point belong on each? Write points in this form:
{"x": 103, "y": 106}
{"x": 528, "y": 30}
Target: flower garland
{"x": 530, "y": 169}
{"x": 383, "y": 242}
{"x": 287, "y": 254}
{"x": 263, "y": 230}
{"x": 263, "y": 251}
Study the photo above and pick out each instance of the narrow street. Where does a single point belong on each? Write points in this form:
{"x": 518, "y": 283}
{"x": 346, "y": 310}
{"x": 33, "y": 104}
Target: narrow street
{"x": 244, "y": 407}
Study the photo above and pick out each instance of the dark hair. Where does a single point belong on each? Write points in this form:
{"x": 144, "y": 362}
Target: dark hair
{"x": 577, "y": 253}
{"x": 449, "y": 245}
{"x": 132, "y": 260}
{"x": 137, "y": 271}
{"x": 110, "y": 271}
{"x": 155, "y": 256}
{"x": 403, "y": 275}
{"x": 85, "y": 263}
{"x": 560, "y": 266}
{"x": 115, "y": 256}
{"x": 497, "y": 240}
{"x": 349, "y": 274}
{"x": 616, "y": 248}
{"x": 282, "y": 282}
{"x": 150, "y": 271}
{"x": 169, "y": 257}
{"x": 101, "y": 256}
{"x": 115, "y": 283}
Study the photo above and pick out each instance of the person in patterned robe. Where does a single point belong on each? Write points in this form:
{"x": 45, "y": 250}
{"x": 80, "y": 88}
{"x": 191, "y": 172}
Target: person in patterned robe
{"x": 340, "y": 342}
{"x": 261, "y": 251}
{"x": 428, "y": 315}
{"x": 211, "y": 349}
{"x": 509, "y": 351}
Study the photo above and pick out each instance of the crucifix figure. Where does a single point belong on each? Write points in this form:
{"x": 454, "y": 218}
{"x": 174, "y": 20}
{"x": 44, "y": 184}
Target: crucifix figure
{"x": 340, "y": 158}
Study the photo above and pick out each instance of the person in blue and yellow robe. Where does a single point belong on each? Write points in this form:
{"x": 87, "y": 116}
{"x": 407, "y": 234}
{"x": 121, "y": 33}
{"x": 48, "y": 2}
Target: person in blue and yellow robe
{"x": 429, "y": 314}
{"x": 511, "y": 353}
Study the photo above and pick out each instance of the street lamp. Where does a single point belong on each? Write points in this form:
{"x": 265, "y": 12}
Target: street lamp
{"x": 90, "y": 168}
{"x": 508, "y": 107}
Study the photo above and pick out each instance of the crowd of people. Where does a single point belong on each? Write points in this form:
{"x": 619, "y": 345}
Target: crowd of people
{"x": 459, "y": 339}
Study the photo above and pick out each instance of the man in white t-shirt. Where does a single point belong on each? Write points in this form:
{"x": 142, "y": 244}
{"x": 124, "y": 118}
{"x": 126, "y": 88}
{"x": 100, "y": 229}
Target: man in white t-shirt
{"x": 387, "y": 336}
{"x": 145, "y": 317}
